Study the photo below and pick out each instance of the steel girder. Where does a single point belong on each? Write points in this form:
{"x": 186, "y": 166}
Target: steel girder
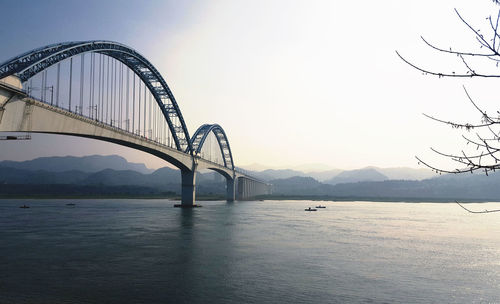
{"x": 30, "y": 63}
{"x": 201, "y": 135}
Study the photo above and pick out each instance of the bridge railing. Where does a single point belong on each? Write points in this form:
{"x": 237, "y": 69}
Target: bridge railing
{"x": 209, "y": 161}
{"x": 29, "y": 93}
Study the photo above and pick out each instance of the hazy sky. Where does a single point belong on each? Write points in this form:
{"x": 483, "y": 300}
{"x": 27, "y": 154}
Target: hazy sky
{"x": 291, "y": 82}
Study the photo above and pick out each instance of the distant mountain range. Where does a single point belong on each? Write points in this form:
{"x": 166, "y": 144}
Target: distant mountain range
{"x": 96, "y": 163}
{"x": 447, "y": 187}
{"x": 113, "y": 174}
{"x": 91, "y": 163}
{"x": 336, "y": 176}
{"x": 354, "y": 176}
{"x": 100, "y": 171}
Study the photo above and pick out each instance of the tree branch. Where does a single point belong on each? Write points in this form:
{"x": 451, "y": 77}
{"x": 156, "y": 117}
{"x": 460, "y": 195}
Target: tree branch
{"x": 457, "y": 52}
{"x": 485, "y": 211}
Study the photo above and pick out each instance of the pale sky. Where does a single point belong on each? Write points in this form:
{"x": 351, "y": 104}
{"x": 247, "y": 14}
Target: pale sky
{"x": 291, "y": 82}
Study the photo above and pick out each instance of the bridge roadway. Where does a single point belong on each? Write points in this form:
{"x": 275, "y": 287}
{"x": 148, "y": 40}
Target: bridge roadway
{"x": 21, "y": 113}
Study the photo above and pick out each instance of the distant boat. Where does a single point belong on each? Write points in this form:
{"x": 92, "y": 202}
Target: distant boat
{"x": 24, "y": 206}
{"x": 70, "y": 204}
{"x": 320, "y": 206}
{"x": 310, "y": 209}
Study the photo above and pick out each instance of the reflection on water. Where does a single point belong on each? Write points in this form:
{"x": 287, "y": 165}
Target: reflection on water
{"x": 146, "y": 251}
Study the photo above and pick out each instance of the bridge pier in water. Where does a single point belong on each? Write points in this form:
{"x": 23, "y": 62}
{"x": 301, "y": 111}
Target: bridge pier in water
{"x": 188, "y": 193}
{"x": 230, "y": 189}
{"x": 249, "y": 188}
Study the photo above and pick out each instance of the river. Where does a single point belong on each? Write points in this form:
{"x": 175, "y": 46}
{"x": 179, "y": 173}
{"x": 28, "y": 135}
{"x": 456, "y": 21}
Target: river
{"x": 146, "y": 251}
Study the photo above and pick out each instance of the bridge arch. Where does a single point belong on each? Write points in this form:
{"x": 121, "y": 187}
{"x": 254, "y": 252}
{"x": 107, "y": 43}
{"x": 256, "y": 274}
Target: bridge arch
{"x": 201, "y": 135}
{"x": 32, "y": 62}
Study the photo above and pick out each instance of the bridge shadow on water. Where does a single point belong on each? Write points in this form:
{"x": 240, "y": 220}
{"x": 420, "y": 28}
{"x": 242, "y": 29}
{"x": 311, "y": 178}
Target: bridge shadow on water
{"x": 197, "y": 262}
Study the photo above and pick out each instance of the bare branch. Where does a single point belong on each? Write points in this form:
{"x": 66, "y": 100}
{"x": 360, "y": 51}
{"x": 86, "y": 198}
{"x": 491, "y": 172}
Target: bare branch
{"x": 492, "y": 153}
{"x": 437, "y": 170}
{"x": 495, "y": 30}
{"x": 473, "y": 142}
{"x": 458, "y": 52}
{"x": 453, "y": 74}
{"x": 494, "y": 59}
{"x": 454, "y": 157}
{"x": 486, "y": 118}
{"x": 470, "y": 70}
{"x": 467, "y": 126}
{"x": 495, "y": 135}
{"x": 479, "y": 37}
{"x": 485, "y": 211}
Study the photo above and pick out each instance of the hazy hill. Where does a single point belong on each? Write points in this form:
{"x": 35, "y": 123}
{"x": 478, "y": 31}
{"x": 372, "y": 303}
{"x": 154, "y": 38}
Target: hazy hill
{"x": 116, "y": 178}
{"x": 19, "y": 176}
{"x": 364, "y": 174}
{"x": 361, "y": 175}
{"x": 271, "y": 174}
{"x": 324, "y": 175}
{"x": 165, "y": 175}
{"x": 297, "y": 185}
{"x": 161, "y": 180}
{"x": 311, "y": 167}
{"x": 93, "y": 163}
{"x": 447, "y": 187}
{"x": 402, "y": 173}
{"x": 472, "y": 187}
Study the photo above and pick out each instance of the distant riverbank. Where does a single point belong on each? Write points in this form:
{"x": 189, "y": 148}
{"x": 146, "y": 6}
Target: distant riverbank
{"x": 371, "y": 199}
{"x": 114, "y": 196}
{"x": 68, "y": 191}
{"x": 219, "y": 197}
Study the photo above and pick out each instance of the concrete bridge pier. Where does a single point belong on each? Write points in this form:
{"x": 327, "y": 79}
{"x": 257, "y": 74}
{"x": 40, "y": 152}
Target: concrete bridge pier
{"x": 188, "y": 193}
{"x": 249, "y": 188}
{"x": 230, "y": 189}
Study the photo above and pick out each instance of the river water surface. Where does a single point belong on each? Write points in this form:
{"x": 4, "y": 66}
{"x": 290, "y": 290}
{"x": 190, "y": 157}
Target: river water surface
{"x": 146, "y": 251}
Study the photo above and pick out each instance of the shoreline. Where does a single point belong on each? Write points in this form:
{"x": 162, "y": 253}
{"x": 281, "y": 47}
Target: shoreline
{"x": 376, "y": 199}
{"x": 259, "y": 198}
{"x": 89, "y": 197}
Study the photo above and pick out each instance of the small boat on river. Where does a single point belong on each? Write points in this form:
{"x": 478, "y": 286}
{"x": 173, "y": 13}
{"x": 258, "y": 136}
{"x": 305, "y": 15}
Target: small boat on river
{"x": 24, "y": 206}
{"x": 320, "y": 206}
{"x": 310, "y": 209}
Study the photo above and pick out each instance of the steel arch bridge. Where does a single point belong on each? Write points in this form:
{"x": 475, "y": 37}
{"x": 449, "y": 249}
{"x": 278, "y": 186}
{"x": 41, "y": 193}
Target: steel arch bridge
{"x": 114, "y": 86}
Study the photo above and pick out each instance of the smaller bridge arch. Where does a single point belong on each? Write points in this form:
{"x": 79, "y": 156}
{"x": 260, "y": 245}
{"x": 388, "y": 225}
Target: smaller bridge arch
{"x": 201, "y": 135}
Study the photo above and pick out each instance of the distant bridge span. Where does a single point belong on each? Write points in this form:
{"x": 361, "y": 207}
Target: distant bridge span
{"x": 118, "y": 96}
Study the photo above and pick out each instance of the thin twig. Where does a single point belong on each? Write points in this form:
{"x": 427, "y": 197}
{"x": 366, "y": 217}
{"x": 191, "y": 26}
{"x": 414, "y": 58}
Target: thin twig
{"x": 485, "y": 211}
{"x": 456, "y": 52}
{"x": 478, "y": 36}
{"x": 444, "y": 74}
{"x": 467, "y": 126}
